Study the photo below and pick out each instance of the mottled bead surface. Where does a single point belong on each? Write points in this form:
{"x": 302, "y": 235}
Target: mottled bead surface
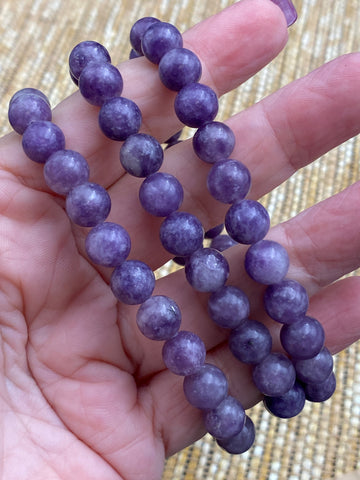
{"x": 207, "y": 388}
{"x": 64, "y": 170}
{"x": 137, "y": 32}
{"x": 247, "y": 221}
{"x": 226, "y": 420}
{"x": 320, "y": 392}
{"x": 99, "y": 82}
{"x": 141, "y": 155}
{"x": 286, "y": 302}
{"x": 27, "y": 108}
{"x": 29, "y": 90}
{"x": 213, "y": 141}
{"x": 119, "y": 118}
{"x": 161, "y": 194}
{"x": 250, "y": 342}
{"x": 228, "y": 181}
{"x": 132, "y": 282}
{"x": 178, "y": 68}
{"x": 85, "y": 53}
{"x": 275, "y": 375}
{"x": 108, "y": 244}
{"x": 41, "y": 139}
{"x": 303, "y": 339}
{"x": 196, "y": 104}
{"x": 316, "y": 369}
{"x": 241, "y": 442}
{"x": 159, "y": 318}
{"x": 228, "y": 306}
{"x": 288, "y": 405}
{"x": 206, "y": 270}
{"x": 158, "y": 39}
{"x": 88, "y": 204}
{"x": 222, "y": 242}
{"x": 267, "y": 262}
{"x": 184, "y": 354}
{"x": 181, "y": 233}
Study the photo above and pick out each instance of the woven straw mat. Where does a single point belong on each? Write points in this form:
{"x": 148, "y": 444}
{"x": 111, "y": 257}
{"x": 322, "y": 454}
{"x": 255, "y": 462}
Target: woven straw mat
{"x": 35, "y": 40}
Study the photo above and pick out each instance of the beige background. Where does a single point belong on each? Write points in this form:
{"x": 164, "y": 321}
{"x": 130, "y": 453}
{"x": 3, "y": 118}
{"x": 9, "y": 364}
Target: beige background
{"x": 36, "y": 37}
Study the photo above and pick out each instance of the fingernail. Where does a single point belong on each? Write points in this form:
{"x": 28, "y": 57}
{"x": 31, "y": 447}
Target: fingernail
{"x": 288, "y": 10}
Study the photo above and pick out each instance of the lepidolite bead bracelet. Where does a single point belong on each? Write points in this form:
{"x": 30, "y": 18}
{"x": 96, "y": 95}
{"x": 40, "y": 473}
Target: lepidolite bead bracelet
{"x": 285, "y": 380}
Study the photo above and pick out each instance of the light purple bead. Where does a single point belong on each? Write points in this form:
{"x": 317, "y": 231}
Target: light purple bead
{"x": 196, "y": 104}
{"x": 181, "y": 233}
{"x": 132, "y": 282}
{"x": 207, "y": 388}
{"x": 178, "y": 68}
{"x": 99, "y": 82}
{"x": 286, "y": 302}
{"x": 88, "y": 204}
{"x": 320, "y": 392}
{"x": 141, "y": 155}
{"x": 275, "y": 375}
{"x": 228, "y": 181}
{"x": 137, "y": 32}
{"x": 158, "y": 39}
{"x": 64, "y": 170}
{"x": 108, "y": 244}
{"x": 29, "y": 90}
{"x": 288, "y": 405}
{"x": 316, "y": 369}
{"x": 161, "y": 194}
{"x": 119, "y": 118}
{"x": 303, "y": 339}
{"x": 222, "y": 242}
{"x": 206, "y": 270}
{"x": 85, "y": 53}
{"x": 213, "y": 141}
{"x": 247, "y": 221}
{"x": 241, "y": 442}
{"x": 288, "y": 10}
{"x": 27, "y": 108}
{"x": 41, "y": 139}
{"x": 250, "y": 342}
{"x": 159, "y": 318}
{"x": 267, "y": 262}
{"x": 228, "y": 306}
{"x": 184, "y": 354}
{"x": 226, "y": 420}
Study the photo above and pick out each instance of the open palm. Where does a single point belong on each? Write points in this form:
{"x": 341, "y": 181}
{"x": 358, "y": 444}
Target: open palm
{"x": 83, "y": 394}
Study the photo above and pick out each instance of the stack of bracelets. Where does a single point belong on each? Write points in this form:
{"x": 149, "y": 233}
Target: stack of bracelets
{"x": 286, "y": 380}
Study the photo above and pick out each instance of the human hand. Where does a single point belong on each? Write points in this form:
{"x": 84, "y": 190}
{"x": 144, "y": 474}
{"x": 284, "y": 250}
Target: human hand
{"x": 84, "y": 394}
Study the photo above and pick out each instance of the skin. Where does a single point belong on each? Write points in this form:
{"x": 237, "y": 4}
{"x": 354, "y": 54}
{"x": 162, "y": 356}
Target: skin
{"x": 83, "y": 394}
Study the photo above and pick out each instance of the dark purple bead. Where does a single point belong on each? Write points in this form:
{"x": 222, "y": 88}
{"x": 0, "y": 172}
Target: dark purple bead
{"x": 99, "y": 82}
{"x": 85, "y": 53}
{"x": 141, "y": 155}
{"x": 222, "y": 242}
{"x": 41, "y": 139}
{"x": 132, "y": 282}
{"x": 184, "y": 354}
{"x": 27, "y": 108}
{"x": 241, "y": 442}
{"x": 303, "y": 339}
{"x": 181, "y": 233}
{"x": 206, "y": 270}
{"x": 119, "y": 118}
{"x": 213, "y": 141}
{"x": 320, "y": 392}
{"x": 158, "y": 39}
{"x": 288, "y": 405}
{"x": 174, "y": 138}
{"x": 316, "y": 369}
{"x": 161, "y": 194}
{"x": 267, "y": 262}
{"x": 29, "y": 90}
{"x": 64, "y": 170}
{"x": 275, "y": 375}
{"x": 181, "y": 261}
{"x": 250, "y": 342}
{"x": 196, "y": 104}
{"x": 228, "y": 181}
{"x": 159, "y": 318}
{"x": 88, "y": 204}
{"x": 228, "y": 306}
{"x": 247, "y": 221}
{"x": 108, "y": 244}
{"x": 226, "y": 420}
{"x": 215, "y": 231}
{"x": 286, "y": 302}
{"x": 134, "y": 54}
{"x": 178, "y": 68}
{"x": 137, "y": 32}
{"x": 207, "y": 388}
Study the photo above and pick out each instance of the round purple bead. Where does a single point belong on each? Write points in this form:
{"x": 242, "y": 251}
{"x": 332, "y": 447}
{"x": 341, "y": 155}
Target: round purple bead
{"x": 27, "y": 108}
{"x": 196, "y": 104}
{"x": 228, "y": 306}
{"x": 250, "y": 342}
{"x": 241, "y": 442}
{"x": 137, "y": 32}
{"x": 247, "y": 221}
{"x": 206, "y": 270}
{"x": 29, "y": 90}
{"x": 99, "y": 82}
{"x": 178, "y": 68}
{"x": 158, "y": 39}
{"x": 267, "y": 262}
{"x": 161, "y": 194}
{"x": 320, "y": 392}
{"x": 275, "y": 375}
{"x": 108, "y": 244}
{"x": 316, "y": 369}
{"x": 64, "y": 170}
{"x": 207, "y": 388}
{"x": 222, "y": 242}
{"x": 213, "y": 141}
{"x": 228, "y": 181}
{"x": 132, "y": 282}
{"x": 88, "y": 204}
{"x": 286, "y": 302}
{"x": 303, "y": 339}
{"x": 119, "y": 118}
{"x": 159, "y": 318}
{"x": 41, "y": 139}
{"x": 288, "y": 405}
{"x": 85, "y": 53}
{"x": 184, "y": 354}
{"x": 141, "y": 155}
{"x": 181, "y": 233}
{"x": 226, "y": 420}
